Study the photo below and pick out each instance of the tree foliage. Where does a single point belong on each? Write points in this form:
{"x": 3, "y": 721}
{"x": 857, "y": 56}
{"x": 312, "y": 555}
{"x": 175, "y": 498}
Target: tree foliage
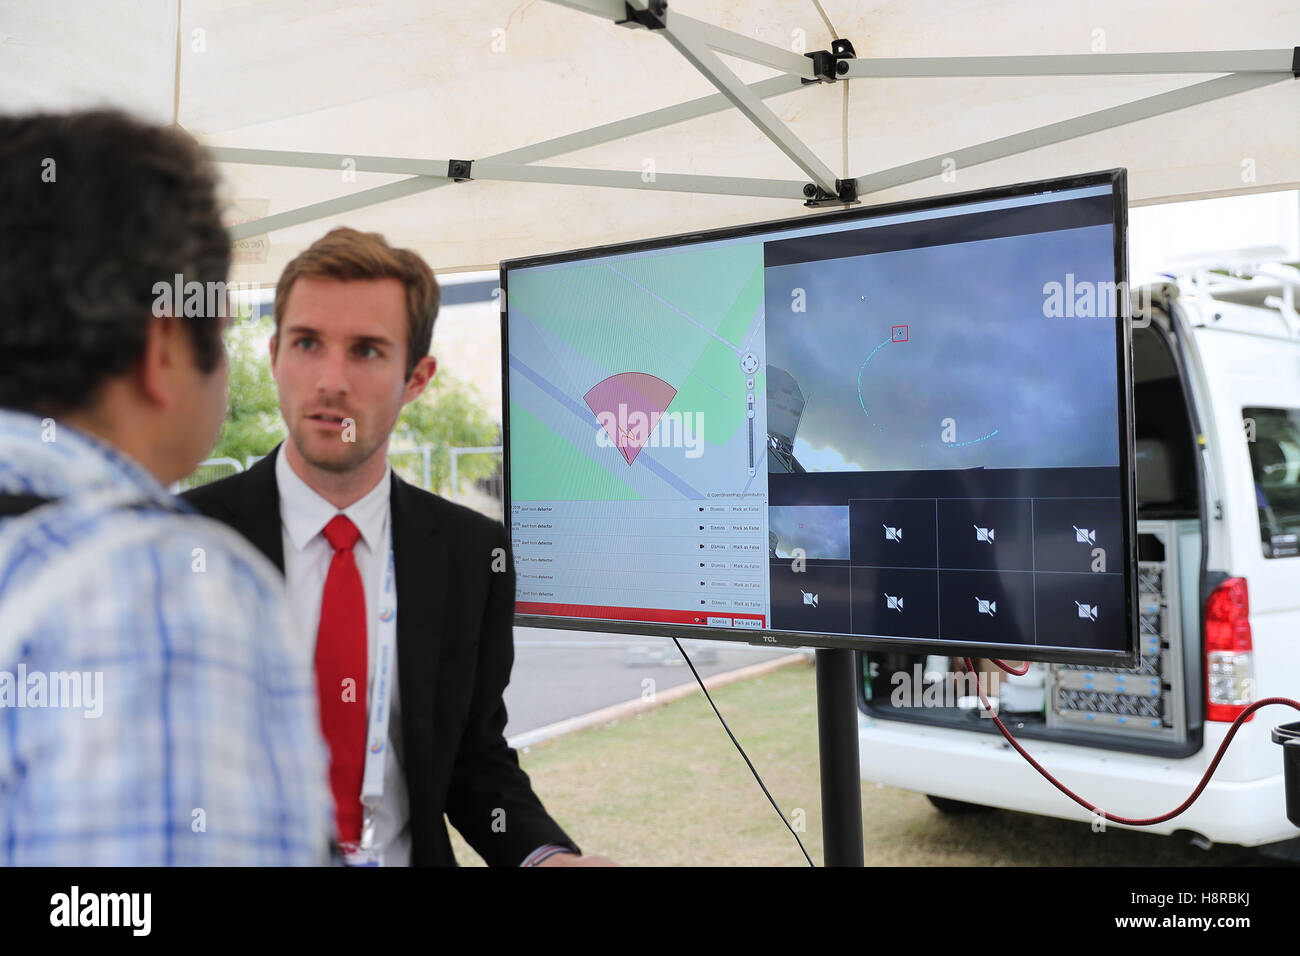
{"x": 253, "y": 425}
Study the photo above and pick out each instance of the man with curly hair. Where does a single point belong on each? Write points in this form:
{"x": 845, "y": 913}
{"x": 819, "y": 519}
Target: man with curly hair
{"x": 152, "y": 709}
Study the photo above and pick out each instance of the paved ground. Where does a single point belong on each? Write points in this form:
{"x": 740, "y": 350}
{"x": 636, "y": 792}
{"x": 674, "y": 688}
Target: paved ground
{"x": 560, "y": 674}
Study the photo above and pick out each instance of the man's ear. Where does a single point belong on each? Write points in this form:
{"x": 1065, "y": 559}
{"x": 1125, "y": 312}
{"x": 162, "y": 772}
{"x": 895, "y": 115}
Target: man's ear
{"x": 419, "y": 379}
{"x": 273, "y": 346}
{"x": 163, "y": 356}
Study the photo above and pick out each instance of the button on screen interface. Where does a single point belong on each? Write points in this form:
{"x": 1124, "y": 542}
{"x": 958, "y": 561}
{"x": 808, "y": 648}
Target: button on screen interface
{"x": 901, "y": 428}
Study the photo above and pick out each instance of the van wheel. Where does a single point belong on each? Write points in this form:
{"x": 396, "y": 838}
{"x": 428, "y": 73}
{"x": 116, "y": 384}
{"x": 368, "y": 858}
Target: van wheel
{"x": 956, "y": 808}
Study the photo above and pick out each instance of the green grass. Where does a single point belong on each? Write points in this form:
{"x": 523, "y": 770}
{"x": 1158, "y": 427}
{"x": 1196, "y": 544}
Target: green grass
{"x": 667, "y": 788}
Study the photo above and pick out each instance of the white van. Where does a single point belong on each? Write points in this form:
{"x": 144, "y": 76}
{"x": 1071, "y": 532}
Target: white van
{"x": 1217, "y": 418}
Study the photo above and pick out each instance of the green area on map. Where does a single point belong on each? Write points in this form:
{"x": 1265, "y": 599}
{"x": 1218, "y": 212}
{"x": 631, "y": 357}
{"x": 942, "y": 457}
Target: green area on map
{"x": 636, "y": 314}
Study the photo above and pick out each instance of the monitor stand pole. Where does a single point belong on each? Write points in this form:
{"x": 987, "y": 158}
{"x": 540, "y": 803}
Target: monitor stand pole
{"x": 837, "y": 738}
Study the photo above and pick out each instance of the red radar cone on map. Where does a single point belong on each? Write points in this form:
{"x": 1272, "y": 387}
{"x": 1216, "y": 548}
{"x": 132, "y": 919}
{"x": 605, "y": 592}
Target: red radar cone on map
{"x": 628, "y": 406}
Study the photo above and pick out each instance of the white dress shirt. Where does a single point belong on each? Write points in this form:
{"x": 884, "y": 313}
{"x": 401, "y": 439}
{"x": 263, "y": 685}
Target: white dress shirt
{"x": 307, "y": 557}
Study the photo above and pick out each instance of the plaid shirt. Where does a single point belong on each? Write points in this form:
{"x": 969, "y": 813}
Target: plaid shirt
{"x": 152, "y": 709}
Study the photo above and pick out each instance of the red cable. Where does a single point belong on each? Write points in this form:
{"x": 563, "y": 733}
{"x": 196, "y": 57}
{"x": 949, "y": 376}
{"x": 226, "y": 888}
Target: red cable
{"x": 1128, "y": 821}
{"x": 1015, "y": 673}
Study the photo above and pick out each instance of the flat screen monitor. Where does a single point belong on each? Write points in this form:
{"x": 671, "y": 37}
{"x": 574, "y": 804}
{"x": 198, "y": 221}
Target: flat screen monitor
{"x": 902, "y": 427}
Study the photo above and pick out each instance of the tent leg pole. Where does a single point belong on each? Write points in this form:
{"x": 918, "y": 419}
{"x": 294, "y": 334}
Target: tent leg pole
{"x": 837, "y": 740}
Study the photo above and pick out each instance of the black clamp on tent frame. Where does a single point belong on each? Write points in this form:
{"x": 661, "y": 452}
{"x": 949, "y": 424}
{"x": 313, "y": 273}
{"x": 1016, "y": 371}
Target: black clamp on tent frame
{"x": 846, "y": 192}
{"x": 651, "y": 18}
{"x": 1295, "y": 63}
{"x": 458, "y": 170}
{"x": 828, "y": 64}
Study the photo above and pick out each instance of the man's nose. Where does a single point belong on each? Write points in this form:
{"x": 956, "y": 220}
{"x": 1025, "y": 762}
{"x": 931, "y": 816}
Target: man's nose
{"x": 332, "y": 373}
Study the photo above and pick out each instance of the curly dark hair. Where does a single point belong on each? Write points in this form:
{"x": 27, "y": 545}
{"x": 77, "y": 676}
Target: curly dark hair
{"x": 95, "y": 208}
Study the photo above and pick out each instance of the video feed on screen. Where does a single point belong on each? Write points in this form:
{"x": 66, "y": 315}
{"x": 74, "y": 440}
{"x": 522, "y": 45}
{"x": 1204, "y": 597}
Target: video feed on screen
{"x": 896, "y": 427}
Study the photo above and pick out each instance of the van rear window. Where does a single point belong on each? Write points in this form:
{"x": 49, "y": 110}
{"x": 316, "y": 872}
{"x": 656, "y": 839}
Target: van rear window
{"x": 1273, "y": 437}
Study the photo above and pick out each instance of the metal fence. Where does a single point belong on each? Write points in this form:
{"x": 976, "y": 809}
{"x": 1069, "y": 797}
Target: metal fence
{"x": 211, "y": 470}
{"x": 424, "y": 466}
{"x": 490, "y": 486}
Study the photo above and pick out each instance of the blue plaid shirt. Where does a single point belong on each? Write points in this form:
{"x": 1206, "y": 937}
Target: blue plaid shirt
{"x": 152, "y": 708}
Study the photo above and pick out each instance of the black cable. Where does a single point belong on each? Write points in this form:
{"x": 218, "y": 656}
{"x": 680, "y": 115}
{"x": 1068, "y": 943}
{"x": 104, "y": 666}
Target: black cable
{"x": 743, "y": 754}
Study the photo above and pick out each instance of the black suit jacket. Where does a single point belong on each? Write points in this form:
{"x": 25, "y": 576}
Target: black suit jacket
{"x": 455, "y": 649}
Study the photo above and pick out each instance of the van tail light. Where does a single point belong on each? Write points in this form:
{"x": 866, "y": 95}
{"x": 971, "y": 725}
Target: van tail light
{"x": 1229, "y": 652}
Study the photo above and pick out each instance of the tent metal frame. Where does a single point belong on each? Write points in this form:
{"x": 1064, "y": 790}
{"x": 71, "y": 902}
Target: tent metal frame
{"x": 700, "y": 44}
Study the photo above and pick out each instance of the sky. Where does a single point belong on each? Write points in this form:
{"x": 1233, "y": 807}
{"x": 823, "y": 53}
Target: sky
{"x": 1022, "y": 389}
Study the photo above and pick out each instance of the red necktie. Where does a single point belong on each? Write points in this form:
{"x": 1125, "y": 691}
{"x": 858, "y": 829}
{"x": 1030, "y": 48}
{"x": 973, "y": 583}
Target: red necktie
{"x": 341, "y": 675}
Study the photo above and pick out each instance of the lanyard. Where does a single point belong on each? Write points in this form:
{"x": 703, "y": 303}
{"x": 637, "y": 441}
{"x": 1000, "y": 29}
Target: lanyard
{"x": 381, "y": 696}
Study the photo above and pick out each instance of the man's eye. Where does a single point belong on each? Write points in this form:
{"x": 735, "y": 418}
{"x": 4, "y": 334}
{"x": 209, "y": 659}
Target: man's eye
{"x": 368, "y": 351}
{"x": 304, "y": 343}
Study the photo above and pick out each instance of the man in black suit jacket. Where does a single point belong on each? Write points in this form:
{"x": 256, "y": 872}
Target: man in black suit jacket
{"x": 454, "y": 653}
{"x": 354, "y": 320}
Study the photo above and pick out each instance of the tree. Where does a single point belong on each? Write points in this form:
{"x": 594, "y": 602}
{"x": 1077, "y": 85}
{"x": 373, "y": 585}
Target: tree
{"x": 450, "y": 414}
{"x": 253, "y": 425}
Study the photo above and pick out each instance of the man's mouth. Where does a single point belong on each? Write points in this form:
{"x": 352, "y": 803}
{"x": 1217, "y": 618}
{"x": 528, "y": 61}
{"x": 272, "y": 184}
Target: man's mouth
{"x": 326, "y": 418}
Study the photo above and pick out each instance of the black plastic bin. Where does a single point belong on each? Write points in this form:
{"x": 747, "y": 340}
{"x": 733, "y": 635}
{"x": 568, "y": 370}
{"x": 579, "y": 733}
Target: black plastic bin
{"x": 1288, "y": 735}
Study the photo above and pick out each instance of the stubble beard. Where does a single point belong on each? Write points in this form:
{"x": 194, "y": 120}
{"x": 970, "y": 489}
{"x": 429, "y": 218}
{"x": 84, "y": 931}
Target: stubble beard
{"x": 355, "y": 454}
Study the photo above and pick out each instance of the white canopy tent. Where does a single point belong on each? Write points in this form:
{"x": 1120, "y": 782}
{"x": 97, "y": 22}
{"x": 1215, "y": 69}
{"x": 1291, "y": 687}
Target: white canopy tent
{"x": 375, "y": 99}
{"x": 366, "y": 104}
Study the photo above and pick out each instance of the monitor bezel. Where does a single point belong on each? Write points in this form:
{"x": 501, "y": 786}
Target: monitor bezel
{"x": 1129, "y": 657}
